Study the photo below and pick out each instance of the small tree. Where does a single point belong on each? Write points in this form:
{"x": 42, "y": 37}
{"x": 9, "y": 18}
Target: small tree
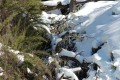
{"x": 16, "y": 25}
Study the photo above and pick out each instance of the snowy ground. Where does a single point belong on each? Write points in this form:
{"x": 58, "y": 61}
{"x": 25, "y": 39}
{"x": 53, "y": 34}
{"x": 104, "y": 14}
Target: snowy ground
{"x": 101, "y": 27}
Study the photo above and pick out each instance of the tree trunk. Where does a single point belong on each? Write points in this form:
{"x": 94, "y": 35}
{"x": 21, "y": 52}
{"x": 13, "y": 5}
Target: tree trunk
{"x": 72, "y": 5}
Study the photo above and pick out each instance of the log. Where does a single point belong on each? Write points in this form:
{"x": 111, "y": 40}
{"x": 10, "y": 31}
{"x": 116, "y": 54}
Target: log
{"x": 62, "y": 7}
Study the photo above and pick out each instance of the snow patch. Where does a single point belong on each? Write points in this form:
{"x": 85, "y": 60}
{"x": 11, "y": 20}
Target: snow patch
{"x": 28, "y": 70}
{"x": 67, "y": 73}
{"x": 20, "y": 57}
{"x": 1, "y": 71}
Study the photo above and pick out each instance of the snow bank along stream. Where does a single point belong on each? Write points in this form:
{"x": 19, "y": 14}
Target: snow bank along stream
{"x": 89, "y": 40}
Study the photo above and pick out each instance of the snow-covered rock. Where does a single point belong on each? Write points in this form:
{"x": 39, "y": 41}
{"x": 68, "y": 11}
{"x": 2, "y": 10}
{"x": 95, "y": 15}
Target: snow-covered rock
{"x": 81, "y": 0}
{"x": 51, "y": 17}
{"x": 76, "y": 69}
{"x": 67, "y": 53}
{"x": 116, "y": 62}
{"x": 67, "y": 73}
{"x": 50, "y": 3}
{"x": 55, "y": 2}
